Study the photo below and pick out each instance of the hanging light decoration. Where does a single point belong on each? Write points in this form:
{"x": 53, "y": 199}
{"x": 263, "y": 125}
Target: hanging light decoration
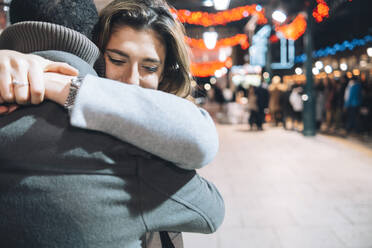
{"x": 220, "y": 18}
{"x": 295, "y": 29}
{"x": 238, "y": 39}
{"x": 291, "y": 31}
{"x": 208, "y": 69}
{"x": 321, "y": 11}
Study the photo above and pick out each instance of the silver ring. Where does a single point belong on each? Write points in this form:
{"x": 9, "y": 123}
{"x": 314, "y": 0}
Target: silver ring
{"x": 19, "y": 83}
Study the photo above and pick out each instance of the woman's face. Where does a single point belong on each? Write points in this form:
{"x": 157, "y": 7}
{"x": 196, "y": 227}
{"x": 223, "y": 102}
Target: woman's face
{"x": 135, "y": 57}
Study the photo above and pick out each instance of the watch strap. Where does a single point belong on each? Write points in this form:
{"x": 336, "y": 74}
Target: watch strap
{"x": 75, "y": 85}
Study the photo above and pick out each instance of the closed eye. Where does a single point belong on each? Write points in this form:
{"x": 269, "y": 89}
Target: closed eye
{"x": 151, "y": 69}
{"x": 116, "y": 61}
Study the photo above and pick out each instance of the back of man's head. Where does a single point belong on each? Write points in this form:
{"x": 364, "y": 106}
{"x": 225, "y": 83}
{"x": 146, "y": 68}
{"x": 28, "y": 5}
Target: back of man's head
{"x": 79, "y": 15}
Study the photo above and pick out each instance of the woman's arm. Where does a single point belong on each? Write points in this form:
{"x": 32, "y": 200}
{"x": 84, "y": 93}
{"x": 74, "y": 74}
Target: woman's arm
{"x": 160, "y": 123}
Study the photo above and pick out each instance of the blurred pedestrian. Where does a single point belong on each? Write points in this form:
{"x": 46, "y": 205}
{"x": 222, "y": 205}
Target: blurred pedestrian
{"x": 253, "y": 109}
{"x": 353, "y": 100}
{"x": 287, "y": 107}
{"x": 330, "y": 104}
{"x": 297, "y": 105}
{"x": 219, "y": 97}
{"x": 319, "y": 104}
{"x": 340, "y": 87}
{"x": 262, "y": 95}
{"x": 366, "y": 107}
{"x": 274, "y": 103}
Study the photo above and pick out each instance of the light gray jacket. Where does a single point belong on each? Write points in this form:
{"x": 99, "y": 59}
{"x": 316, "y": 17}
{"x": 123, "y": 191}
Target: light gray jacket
{"x": 160, "y": 123}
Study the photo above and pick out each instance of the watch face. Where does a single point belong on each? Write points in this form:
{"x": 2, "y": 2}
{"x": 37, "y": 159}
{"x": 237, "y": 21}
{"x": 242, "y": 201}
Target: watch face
{"x": 76, "y": 82}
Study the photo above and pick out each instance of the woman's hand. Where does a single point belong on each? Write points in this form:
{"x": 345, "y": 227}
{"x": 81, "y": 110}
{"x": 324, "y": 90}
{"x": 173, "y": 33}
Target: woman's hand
{"x": 7, "y": 109}
{"x": 22, "y": 77}
{"x": 57, "y": 87}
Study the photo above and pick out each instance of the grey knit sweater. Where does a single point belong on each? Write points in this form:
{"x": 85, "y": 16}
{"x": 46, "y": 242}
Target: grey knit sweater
{"x": 28, "y": 37}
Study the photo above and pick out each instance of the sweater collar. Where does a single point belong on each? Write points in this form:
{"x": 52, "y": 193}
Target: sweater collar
{"x": 28, "y": 37}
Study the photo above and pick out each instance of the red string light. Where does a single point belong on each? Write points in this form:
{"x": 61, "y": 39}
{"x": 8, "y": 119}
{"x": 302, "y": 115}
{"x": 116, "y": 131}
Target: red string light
{"x": 273, "y": 38}
{"x": 295, "y": 29}
{"x": 238, "y": 39}
{"x": 221, "y": 18}
{"x": 208, "y": 69}
{"x": 321, "y": 11}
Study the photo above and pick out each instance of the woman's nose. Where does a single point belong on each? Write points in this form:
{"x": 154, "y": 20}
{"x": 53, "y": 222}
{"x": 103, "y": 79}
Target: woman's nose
{"x": 132, "y": 76}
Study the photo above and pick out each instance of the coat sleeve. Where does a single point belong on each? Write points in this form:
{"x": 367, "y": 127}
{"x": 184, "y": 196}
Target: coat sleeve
{"x": 162, "y": 124}
{"x": 178, "y": 200}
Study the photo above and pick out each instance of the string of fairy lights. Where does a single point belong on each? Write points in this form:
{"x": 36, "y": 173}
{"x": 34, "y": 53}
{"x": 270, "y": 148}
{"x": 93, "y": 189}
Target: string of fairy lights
{"x": 206, "y": 19}
{"x": 336, "y": 48}
{"x": 207, "y": 69}
{"x": 238, "y": 39}
{"x": 291, "y": 31}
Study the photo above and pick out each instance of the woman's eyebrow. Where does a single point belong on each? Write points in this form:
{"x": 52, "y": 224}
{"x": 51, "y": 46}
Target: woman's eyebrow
{"x": 152, "y": 60}
{"x": 123, "y": 54}
{"x": 118, "y": 52}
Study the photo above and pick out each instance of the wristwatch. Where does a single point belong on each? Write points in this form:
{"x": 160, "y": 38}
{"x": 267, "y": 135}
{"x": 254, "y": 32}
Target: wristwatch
{"x": 75, "y": 85}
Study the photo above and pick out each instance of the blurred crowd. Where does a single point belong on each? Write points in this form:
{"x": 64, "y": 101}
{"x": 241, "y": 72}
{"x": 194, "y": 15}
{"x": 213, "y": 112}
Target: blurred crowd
{"x": 343, "y": 105}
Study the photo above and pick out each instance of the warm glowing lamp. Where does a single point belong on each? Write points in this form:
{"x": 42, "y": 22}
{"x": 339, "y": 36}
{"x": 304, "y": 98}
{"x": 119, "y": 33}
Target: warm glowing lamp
{"x": 279, "y": 16}
{"x": 210, "y": 39}
{"x": 319, "y": 65}
{"x": 315, "y": 71}
{"x": 208, "y": 3}
{"x": 298, "y": 71}
{"x": 328, "y": 69}
{"x": 221, "y": 4}
{"x": 343, "y": 66}
{"x": 369, "y": 51}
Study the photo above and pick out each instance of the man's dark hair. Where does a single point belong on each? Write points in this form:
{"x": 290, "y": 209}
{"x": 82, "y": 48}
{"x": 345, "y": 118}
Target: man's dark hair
{"x": 79, "y": 15}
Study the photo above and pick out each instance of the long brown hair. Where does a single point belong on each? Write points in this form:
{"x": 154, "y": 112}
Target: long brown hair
{"x": 155, "y": 15}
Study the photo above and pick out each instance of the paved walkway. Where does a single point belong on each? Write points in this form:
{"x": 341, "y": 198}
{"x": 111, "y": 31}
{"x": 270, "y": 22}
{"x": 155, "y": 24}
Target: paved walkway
{"x": 283, "y": 190}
